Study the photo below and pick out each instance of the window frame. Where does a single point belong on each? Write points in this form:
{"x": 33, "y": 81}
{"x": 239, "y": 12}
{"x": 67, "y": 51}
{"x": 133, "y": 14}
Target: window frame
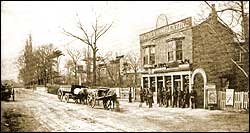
{"x": 178, "y": 51}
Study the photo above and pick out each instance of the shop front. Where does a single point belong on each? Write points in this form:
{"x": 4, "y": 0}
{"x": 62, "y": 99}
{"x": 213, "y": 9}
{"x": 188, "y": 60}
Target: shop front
{"x": 174, "y": 81}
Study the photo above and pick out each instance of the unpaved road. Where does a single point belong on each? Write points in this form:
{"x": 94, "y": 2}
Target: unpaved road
{"x": 39, "y": 111}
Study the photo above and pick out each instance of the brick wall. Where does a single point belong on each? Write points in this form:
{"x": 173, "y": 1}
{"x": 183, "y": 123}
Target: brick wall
{"x": 213, "y": 49}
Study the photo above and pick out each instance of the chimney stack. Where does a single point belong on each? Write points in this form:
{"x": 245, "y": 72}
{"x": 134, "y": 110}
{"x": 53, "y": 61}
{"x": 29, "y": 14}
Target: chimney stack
{"x": 213, "y": 13}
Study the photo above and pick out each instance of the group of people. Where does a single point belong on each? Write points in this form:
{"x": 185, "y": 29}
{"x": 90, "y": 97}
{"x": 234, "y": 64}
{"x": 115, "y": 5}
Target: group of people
{"x": 181, "y": 98}
{"x": 146, "y": 94}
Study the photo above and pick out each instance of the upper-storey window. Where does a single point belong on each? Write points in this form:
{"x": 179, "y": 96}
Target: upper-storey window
{"x": 237, "y": 55}
{"x": 170, "y": 56}
{"x": 170, "y": 50}
{"x": 149, "y": 55}
{"x": 146, "y": 55}
{"x": 178, "y": 50}
{"x": 152, "y": 55}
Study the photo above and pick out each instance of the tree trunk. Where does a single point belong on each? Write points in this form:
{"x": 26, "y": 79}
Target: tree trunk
{"x": 75, "y": 74}
{"x": 88, "y": 66}
{"x": 243, "y": 23}
{"x": 135, "y": 85}
{"x": 94, "y": 67}
{"x": 135, "y": 78}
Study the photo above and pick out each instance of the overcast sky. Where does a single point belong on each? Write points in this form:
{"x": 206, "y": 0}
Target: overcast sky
{"x": 45, "y": 20}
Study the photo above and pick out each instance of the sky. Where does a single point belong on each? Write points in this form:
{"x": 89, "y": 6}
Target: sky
{"x": 45, "y": 20}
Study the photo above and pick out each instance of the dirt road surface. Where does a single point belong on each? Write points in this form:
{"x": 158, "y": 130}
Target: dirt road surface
{"x": 40, "y": 111}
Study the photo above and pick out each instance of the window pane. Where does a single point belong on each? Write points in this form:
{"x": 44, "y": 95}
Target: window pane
{"x": 170, "y": 56}
{"x": 178, "y": 45}
{"x": 152, "y": 50}
{"x": 145, "y": 59}
{"x": 152, "y": 59}
{"x": 146, "y": 51}
{"x": 179, "y": 55}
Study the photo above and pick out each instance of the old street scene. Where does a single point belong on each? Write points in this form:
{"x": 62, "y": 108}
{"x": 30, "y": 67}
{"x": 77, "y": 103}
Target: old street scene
{"x": 107, "y": 66}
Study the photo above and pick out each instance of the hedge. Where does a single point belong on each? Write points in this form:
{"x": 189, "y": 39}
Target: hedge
{"x": 53, "y": 89}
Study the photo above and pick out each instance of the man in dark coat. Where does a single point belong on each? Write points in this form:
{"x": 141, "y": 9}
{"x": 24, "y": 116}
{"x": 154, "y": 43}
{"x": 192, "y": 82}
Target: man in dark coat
{"x": 175, "y": 94}
{"x": 159, "y": 98}
{"x": 150, "y": 97}
{"x": 193, "y": 96}
{"x": 186, "y": 99}
{"x": 180, "y": 98}
{"x": 130, "y": 96}
{"x": 168, "y": 97}
{"x": 145, "y": 93}
{"x": 141, "y": 95}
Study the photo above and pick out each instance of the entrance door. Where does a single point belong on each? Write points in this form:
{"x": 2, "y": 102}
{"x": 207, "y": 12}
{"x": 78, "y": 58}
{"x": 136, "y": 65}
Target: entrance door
{"x": 177, "y": 87}
{"x": 199, "y": 87}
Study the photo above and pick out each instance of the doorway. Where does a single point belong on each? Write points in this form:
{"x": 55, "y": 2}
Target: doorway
{"x": 199, "y": 87}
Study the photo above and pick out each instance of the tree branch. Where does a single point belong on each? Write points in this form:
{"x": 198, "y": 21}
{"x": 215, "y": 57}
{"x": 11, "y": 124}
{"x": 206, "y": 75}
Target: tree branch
{"x": 240, "y": 68}
{"x": 103, "y": 32}
{"x": 84, "y": 31}
{"x": 228, "y": 29}
{"x": 72, "y": 35}
{"x": 229, "y": 9}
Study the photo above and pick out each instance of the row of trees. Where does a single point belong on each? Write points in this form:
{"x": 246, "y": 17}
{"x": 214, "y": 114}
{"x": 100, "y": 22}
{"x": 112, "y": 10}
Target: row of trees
{"x": 36, "y": 66}
{"x": 110, "y": 70}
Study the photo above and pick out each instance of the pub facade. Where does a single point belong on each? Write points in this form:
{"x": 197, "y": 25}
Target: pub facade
{"x": 166, "y": 55}
{"x": 180, "y": 56}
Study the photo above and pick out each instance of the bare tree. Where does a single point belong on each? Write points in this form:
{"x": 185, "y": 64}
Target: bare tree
{"x": 105, "y": 62}
{"x": 133, "y": 62}
{"x": 90, "y": 38}
{"x": 70, "y": 69}
{"x": 75, "y": 57}
{"x": 44, "y": 63}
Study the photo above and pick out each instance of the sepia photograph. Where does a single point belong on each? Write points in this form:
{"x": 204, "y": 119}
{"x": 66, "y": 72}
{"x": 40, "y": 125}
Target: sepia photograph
{"x": 124, "y": 66}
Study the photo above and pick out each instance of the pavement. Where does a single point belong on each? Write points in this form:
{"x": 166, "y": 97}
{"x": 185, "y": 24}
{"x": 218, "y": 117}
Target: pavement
{"x": 52, "y": 115}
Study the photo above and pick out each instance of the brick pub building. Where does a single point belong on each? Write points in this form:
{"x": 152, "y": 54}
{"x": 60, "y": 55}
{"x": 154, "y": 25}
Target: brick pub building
{"x": 181, "y": 56}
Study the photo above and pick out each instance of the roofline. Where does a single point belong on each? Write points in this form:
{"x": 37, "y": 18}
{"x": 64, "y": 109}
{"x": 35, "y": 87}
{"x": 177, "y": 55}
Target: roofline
{"x": 164, "y": 26}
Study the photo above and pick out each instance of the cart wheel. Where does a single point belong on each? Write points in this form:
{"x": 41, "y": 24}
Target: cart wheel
{"x": 61, "y": 98}
{"x": 59, "y": 95}
{"x": 108, "y": 104}
{"x": 13, "y": 95}
{"x": 66, "y": 97}
{"x": 92, "y": 102}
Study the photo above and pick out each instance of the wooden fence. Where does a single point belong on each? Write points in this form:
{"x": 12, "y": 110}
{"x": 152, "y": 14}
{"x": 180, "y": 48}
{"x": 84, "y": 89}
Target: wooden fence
{"x": 240, "y": 100}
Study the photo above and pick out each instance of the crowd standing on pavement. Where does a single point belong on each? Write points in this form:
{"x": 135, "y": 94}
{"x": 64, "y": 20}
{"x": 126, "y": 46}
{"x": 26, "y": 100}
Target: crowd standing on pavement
{"x": 181, "y": 98}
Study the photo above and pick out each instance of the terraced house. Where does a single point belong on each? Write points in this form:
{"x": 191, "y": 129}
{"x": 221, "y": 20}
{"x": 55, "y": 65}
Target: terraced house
{"x": 201, "y": 57}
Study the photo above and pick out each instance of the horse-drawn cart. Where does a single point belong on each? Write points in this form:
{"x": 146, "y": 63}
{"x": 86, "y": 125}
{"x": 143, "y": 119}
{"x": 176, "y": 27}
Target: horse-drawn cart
{"x": 105, "y": 94}
{"x": 7, "y": 92}
{"x": 75, "y": 92}
{"x": 89, "y": 96}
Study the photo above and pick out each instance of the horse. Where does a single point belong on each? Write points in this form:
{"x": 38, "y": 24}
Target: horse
{"x": 81, "y": 94}
{"x": 84, "y": 95}
{"x": 111, "y": 97}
